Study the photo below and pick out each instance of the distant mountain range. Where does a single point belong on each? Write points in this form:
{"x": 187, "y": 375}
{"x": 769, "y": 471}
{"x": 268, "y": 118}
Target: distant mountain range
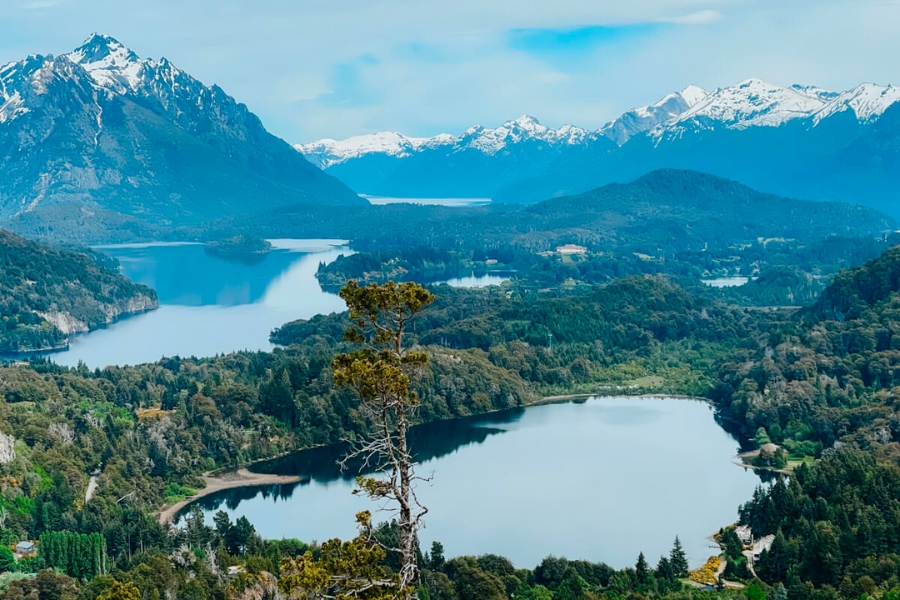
{"x": 101, "y": 131}
{"x": 800, "y": 141}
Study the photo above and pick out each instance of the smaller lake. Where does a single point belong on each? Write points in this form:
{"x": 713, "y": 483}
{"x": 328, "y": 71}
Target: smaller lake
{"x": 723, "y": 282}
{"x": 602, "y": 480}
{"x": 457, "y": 202}
{"x": 476, "y": 281}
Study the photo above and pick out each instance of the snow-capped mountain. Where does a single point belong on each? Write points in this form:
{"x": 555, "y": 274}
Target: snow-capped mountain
{"x": 326, "y": 153}
{"x": 867, "y": 102}
{"x": 104, "y": 129}
{"x": 750, "y": 103}
{"x": 523, "y": 129}
{"x": 799, "y": 141}
{"x": 645, "y": 118}
{"x": 790, "y": 140}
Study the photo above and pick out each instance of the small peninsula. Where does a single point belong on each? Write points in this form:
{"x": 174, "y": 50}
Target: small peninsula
{"x": 48, "y": 293}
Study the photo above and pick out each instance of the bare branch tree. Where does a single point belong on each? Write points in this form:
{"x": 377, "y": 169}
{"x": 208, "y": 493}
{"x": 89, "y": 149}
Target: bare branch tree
{"x": 381, "y": 373}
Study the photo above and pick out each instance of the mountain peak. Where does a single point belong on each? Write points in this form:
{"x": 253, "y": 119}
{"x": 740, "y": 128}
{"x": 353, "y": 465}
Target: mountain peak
{"x": 99, "y": 47}
{"x": 524, "y": 121}
{"x": 109, "y": 62}
{"x": 693, "y": 94}
{"x": 644, "y": 118}
{"x": 867, "y": 101}
{"x": 750, "y": 103}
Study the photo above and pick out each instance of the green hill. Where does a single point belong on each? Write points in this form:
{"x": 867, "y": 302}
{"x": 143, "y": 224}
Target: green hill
{"x": 47, "y": 294}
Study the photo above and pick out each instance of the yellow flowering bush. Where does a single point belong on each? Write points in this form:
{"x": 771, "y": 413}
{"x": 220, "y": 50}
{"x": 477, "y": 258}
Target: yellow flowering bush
{"x": 707, "y": 573}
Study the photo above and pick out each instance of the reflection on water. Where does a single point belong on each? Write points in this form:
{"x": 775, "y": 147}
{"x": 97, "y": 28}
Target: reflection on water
{"x": 589, "y": 480}
{"x": 429, "y": 441}
{"x": 208, "y": 305}
{"x": 321, "y": 465}
{"x": 211, "y": 306}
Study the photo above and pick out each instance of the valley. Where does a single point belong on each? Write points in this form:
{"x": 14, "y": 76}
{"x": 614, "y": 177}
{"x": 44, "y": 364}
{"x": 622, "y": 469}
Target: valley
{"x": 654, "y": 360}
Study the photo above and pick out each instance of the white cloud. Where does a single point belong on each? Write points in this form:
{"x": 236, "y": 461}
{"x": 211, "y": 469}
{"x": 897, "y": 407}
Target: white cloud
{"x": 280, "y": 56}
{"x": 39, "y": 4}
{"x": 701, "y": 17}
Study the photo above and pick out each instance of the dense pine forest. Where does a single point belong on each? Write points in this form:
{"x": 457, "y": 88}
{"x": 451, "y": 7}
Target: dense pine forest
{"x": 820, "y": 382}
{"x": 803, "y": 358}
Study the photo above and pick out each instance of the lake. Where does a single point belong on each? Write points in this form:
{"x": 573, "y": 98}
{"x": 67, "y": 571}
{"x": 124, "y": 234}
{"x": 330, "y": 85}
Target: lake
{"x": 456, "y": 202}
{"x": 724, "y": 282}
{"x": 474, "y": 281}
{"x": 212, "y": 306}
{"x": 600, "y": 480}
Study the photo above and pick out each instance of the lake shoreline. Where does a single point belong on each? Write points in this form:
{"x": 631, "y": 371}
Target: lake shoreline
{"x": 240, "y": 478}
{"x": 225, "y": 478}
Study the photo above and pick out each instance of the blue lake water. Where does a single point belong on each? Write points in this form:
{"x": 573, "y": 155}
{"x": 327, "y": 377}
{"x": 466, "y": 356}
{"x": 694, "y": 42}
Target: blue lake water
{"x": 208, "y": 305}
{"x": 212, "y": 306}
{"x": 600, "y": 480}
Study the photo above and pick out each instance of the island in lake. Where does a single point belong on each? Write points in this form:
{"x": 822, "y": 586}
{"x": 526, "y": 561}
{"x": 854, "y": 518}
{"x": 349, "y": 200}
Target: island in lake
{"x": 239, "y": 248}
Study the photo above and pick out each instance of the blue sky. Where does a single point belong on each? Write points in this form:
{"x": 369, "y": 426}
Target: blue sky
{"x": 335, "y": 68}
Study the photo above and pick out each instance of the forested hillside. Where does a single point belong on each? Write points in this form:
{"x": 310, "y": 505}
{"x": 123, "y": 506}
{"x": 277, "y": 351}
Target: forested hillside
{"x": 47, "y": 294}
{"x": 819, "y": 383}
{"x": 827, "y": 384}
{"x": 664, "y": 211}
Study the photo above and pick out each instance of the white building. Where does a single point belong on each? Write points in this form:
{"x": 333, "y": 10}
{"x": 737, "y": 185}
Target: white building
{"x": 745, "y": 534}
{"x": 571, "y": 249}
{"x": 25, "y": 547}
{"x": 762, "y": 544}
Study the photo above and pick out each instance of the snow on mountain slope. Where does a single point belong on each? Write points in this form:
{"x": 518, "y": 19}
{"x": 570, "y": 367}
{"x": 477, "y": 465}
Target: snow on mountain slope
{"x": 13, "y": 77}
{"x": 491, "y": 141}
{"x": 645, "y": 118}
{"x": 109, "y": 63}
{"x": 328, "y": 152}
{"x": 815, "y": 91}
{"x": 186, "y": 100}
{"x": 12, "y": 107}
{"x": 867, "y": 101}
{"x": 102, "y": 126}
{"x": 750, "y": 103}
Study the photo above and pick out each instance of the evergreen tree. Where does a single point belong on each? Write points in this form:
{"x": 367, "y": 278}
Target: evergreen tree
{"x": 774, "y": 566}
{"x": 7, "y": 559}
{"x": 381, "y": 373}
{"x": 223, "y": 523}
{"x": 572, "y": 587}
{"x": 678, "y": 559}
{"x": 732, "y": 544}
{"x": 436, "y": 559}
{"x": 664, "y": 569}
{"x": 642, "y": 570}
